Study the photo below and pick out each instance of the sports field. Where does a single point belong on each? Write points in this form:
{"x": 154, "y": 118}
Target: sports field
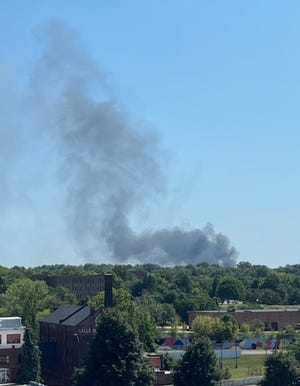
{"x": 247, "y": 366}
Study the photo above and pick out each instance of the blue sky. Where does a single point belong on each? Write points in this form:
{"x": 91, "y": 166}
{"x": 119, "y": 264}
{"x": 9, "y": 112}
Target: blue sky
{"x": 219, "y": 83}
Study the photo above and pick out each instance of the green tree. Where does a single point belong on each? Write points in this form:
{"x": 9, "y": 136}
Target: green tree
{"x": 25, "y": 298}
{"x": 145, "y": 327}
{"x": 202, "y": 325}
{"x": 258, "y": 324}
{"x": 295, "y": 350}
{"x": 138, "y": 314}
{"x": 116, "y": 356}
{"x": 271, "y": 281}
{"x": 280, "y": 370}
{"x": 198, "y": 365}
{"x": 229, "y": 328}
{"x": 2, "y": 285}
{"x": 30, "y": 364}
{"x": 268, "y": 296}
{"x": 231, "y": 288}
{"x": 63, "y": 295}
{"x": 170, "y": 362}
{"x": 244, "y": 330}
{"x": 215, "y": 328}
{"x": 183, "y": 281}
{"x": 97, "y": 300}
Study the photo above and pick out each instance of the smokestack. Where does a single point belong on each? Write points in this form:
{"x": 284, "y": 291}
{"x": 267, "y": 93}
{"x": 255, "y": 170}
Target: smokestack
{"x": 108, "y": 295}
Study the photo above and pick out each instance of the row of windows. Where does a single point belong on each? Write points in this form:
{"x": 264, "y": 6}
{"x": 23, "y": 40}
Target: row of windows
{"x": 87, "y": 330}
{"x": 78, "y": 279}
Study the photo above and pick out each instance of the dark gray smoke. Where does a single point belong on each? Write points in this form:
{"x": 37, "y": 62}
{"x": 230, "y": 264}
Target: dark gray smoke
{"x": 110, "y": 164}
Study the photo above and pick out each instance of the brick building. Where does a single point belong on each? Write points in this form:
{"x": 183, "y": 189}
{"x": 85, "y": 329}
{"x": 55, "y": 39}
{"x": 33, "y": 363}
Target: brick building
{"x": 11, "y": 341}
{"x": 162, "y": 377}
{"x": 81, "y": 285}
{"x": 65, "y": 337}
{"x": 272, "y": 319}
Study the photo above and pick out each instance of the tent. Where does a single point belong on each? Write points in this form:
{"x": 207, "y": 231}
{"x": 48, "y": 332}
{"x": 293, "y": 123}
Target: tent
{"x": 181, "y": 344}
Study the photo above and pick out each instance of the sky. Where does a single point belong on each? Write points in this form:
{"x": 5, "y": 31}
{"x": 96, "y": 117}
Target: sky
{"x": 199, "y": 124}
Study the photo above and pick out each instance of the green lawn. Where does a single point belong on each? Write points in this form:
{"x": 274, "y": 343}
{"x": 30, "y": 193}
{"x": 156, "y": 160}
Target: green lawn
{"x": 248, "y": 366}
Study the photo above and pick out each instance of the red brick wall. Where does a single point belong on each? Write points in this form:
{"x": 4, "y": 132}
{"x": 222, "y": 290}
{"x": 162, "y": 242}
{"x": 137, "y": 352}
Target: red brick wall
{"x": 14, "y": 361}
{"x": 283, "y": 318}
{"x": 164, "y": 378}
{"x": 156, "y": 361}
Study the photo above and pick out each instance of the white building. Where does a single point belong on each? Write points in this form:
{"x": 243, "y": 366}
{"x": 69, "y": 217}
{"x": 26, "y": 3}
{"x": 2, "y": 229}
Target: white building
{"x": 11, "y": 340}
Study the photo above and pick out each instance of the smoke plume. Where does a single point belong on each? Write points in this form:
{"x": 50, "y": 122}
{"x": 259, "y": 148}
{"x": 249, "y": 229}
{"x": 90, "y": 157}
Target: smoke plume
{"x": 109, "y": 164}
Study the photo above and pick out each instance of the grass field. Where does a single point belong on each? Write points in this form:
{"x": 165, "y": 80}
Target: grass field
{"x": 248, "y": 366}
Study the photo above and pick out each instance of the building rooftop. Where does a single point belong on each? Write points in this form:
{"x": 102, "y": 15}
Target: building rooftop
{"x": 253, "y": 310}
{"x": 10, "y": 323}
{"x": 68, "y": 315}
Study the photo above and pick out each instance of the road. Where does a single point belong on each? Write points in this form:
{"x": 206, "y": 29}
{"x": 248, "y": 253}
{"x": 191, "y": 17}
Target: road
{"x": 257, "y": 352}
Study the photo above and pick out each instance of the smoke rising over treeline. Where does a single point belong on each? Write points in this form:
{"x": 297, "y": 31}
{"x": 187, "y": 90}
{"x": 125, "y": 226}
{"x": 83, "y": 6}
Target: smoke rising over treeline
{"x": 108, "y": 165}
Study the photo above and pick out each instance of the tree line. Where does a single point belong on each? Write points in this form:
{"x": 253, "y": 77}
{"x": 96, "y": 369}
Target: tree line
{"x": 172, "y": 290}
{"x": 161, "y": 298}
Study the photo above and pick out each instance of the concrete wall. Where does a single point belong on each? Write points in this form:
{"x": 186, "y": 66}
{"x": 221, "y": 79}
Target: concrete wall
{"x": 242, "y": 381}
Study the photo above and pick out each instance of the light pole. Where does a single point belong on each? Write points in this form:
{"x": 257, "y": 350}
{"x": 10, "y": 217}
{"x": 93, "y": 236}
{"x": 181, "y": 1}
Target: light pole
{"x": 219, "y": 344}
{"x": 222, "y": 354}
{"x": 236, "y": 363}
{"x": 78, "y": 349}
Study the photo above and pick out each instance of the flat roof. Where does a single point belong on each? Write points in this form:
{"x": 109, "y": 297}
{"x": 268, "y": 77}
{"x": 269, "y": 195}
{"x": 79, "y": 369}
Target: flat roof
{"x": 9, "y": 317}
{"x": 253, "y": 310}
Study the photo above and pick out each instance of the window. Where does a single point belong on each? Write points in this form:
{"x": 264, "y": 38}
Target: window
{"x": 4, "y": 359}
{"x": 4, "y": 375}
{"x": 13, "y": 338}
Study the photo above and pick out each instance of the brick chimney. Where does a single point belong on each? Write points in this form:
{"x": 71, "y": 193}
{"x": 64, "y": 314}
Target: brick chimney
{"x": 108, "y": 295}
